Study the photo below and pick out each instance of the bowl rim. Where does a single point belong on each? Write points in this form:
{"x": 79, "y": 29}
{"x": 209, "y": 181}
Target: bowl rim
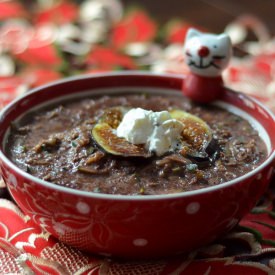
{"x": 89, "y": 194}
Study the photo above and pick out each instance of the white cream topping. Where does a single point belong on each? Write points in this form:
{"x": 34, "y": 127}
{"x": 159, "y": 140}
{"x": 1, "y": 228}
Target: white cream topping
{"x": 157, "y": 130}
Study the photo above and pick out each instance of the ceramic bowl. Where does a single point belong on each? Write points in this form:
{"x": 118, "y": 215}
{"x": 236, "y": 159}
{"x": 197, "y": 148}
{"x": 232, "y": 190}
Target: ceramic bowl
{"x": 134, "y": 226}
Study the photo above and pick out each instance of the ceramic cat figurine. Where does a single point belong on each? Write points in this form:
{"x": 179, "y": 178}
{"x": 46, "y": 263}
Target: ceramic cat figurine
{"x": 206, "y": 56}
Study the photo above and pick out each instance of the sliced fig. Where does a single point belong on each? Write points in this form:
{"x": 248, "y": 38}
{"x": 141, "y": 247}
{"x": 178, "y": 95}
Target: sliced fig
{"x": 202, "y": 148}
{"x": 196, "y": 141}
{"x": 113, "y": 116}
{"x": 196, "y": 131}
{"x": 104, "y": 134}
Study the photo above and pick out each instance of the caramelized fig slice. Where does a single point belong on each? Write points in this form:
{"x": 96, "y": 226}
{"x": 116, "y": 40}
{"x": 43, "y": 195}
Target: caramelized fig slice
{"x": 113, "y": 116}
{"x": 104, "y": 135}
{"x": 203, "y": 148}
{"x": 196, "y": 131}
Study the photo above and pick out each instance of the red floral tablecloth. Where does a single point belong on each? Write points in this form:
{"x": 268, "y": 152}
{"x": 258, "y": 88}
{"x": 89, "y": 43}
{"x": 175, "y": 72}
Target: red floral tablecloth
{"x": 53, "y": 39}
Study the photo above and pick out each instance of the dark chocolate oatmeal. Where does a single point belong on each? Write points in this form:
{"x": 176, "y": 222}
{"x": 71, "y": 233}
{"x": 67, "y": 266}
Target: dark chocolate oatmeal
{"x": 57, "y": 145}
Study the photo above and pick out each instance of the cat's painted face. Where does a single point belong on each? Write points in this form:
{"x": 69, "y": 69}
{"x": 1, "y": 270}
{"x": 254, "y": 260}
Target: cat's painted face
{"x": 207, "y": 54}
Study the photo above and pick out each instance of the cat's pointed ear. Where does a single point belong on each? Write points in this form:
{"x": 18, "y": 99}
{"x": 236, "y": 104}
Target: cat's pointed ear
{"x": 224, "y": 38}
{"x": 192, "y": 33}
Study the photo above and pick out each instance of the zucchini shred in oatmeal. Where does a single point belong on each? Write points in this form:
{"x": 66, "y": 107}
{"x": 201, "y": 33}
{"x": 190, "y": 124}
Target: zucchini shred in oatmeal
{"x": 57, "y": 144}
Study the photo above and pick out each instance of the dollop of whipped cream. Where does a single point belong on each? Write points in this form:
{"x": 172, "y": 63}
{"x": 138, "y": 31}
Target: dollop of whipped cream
{"x": 157, "y": 130}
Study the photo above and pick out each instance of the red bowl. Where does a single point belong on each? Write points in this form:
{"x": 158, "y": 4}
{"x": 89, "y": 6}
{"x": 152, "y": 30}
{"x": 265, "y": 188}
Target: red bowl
{"x": 134, "y": 226}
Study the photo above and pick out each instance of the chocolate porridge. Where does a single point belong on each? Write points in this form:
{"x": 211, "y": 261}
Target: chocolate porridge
{"x": 59, "y": 144}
